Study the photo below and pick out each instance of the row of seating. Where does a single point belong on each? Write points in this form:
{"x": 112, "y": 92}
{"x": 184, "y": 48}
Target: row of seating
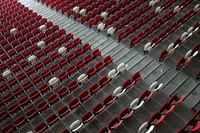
{"x": 179, "y": 41}
{"x": 153, "y": 26}
{"x": 159, "y": 116}
{"x": 128, "y": 111}
{"x": 98, "y": 108}
{"x": 84, "y": 95}
{"x": 168, "y": 30}
{"x": 192, "y": 125}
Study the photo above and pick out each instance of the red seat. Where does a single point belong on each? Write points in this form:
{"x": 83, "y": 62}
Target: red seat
{"x": 103, "y": 81}
{"x": 88, "y": 58}
{"x": 71, "y": 69}
{"x": 44, "y": 88}
{"x": 108, "y": 100}
{"x": 137, "y": 76}
{"x": 145, "y": 95}
{"x": 84, "y": 95}
{"x": 96, "y": 53}
{"x": 182, "y": 62}
{"x": 53, "y": 98}
{"x": 7, "y": 98}
{"x": 166, "y": 108}
{"x": 64, "y": 110}
{"x": 41, "y": 127}
{"x": 62, "y": 62}
{"x": 175, "y": 99}
{"x": 31, "y": 113}
{"x": 63, "y": 91}
{"x": 125, "y": 113}
{"x": 13, "y": 108}
{"x": 73, "y": 103}
{"x": 87, "y": 117}
{"x": 20, "y": 121}
{"x": 156, "y": 118}
{"x": 94, "y": 88}
{"x": 34, "y": 94}
{"x": 104, "y": 130}
{"x": 79, "y": 52}
{"x": 54, "y": 68}
{"x": 65, "y": 131}
{"x": 8, "y": 129}
{"x": 114, "y": 123}
{"x": 69, "y": 36}
{"x": 51, "y": 119}
{"x": 128, "y": 83}
{"x": 86, "y": 47}
{"x": 63, "y": 75}
{"x": 24, "y": 101}
{"x": 99, "y": 66}
{"x": 77, "y": 41}
{"x": 3, "y": 115}
{"x": 71, "y": 57}
{"x": 90, "y": 72}
{"x": 80, "y": 64}
{"x": 42, "y": 106}
{"x": 73, "y": 85}
{"x": 107, "y": 60}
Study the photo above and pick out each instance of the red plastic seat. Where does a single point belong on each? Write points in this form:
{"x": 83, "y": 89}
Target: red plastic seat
{"x": 104, "y": 130}
{"x": 108, "y": 100}
{"x": 128, "y": 83}
{"x": 137, "y": 76}
{"x": 175, "y": 99}
{"x": 31, "y": 113}
{"x": 84, "y": 95}
{"x": 53, "y": 98}
{"x": 145, "y": 95}
{"x": 98, "y": 108}
{"x": 24, "y": 101}
{"x": 86, "y": 47}
{"x": 96, "y": 53}
{"x": 42, "y": 106}
{"x": 63, "y": 91}
{"x": 99, "y": 66}
{"x": 107, "y": 60}
{"x": 8, "y": 129}
{"x": 77, "y": 41}
{"x": 64, "y": 110}
{"x": 94, "y": 88}
{"x": 71, "y": 57}
{"x": 3, "y": 115}
{"x": 87, "y": 117}
{"x": 41, "y": 127}
{"x": 73, "y": 103}
{"x": 71, "y": 69}
{"x": 73, "y": 85}
{"x": 103, "y": 81}
{"x": 65, "y": 131}
{"x": 54, "y": 68}
{"x": 69, "y": 36}
{"x": 51, "y": 119}
{"x": 126, "y": 113}
{"x": 7, "y": 98}
{"x": 166, "y": 108}
{"x": 114, "y": 123}
{"x": 20, "y": 121}
{"x": 156, "y": 118}
{"x": 62, "y": 62}
{"x": 44, "y": 88}
{"x": 88, "y": 58}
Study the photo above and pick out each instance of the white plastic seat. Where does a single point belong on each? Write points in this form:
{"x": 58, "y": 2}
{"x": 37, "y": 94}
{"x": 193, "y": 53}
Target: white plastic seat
{"x": 112, "y": 74}
{"x": 82, "y": 12}
{"x": 190, "y": 31}
{"x": 143, "y": 128}
{"x": 104, "y": 15}
{"x": 101, "y": 26}
{"x": 196, "y": 8}
{"x": 13, "y": 31}
{"x": 62, "y": 50}
{"x": 184, "y": 35}
{"x": 7, "y": 73}
{"x": 152, "y": 3}
{"x": 76, "y": 9}
{"x": 82, "y": 78}
{"x": 32, "y": 59}
{"x": 177, "y": 9}
{"x": 122, "y": 67}
{"x": 41, "y": 44}
{"x": 53, "y": 81}
{"x": 30, "y": 132}
{"x": 111, "y": 31}
{"x": 155, "y": 87}
{"x": 189, "y": 54}
{"x": 43, "y": 28}
{"x": 170, "y": 47}
{"x": 148, "y": 47}
{"x": 158, "y": 9}
{"x": 118, "y": 92}
{"x": 76, "y": 125}
{"x": 135, "y": 104}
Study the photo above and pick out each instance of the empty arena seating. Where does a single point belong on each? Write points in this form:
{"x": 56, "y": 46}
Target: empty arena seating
{"x": 57, "y": 80}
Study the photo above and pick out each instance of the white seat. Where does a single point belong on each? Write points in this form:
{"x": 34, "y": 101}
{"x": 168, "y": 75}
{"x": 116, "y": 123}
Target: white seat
{"x": 7, "y": 73}
{"x": 62, "y": 50}
{"x": 76, "y": 125}
{"x": 82, "y": 78}
{"x": 135, "y": 104}
{"x": 53, "y": 81}
{"x": 143, "y": 128}
{"x": 190, "y": 31}
{"x": 155, "y": 87}
{"x": 148, "y": 47}
{"x": 111, "y": 31}
{"x": 43, "y": 28}
{"x": 76, "y": 9}
{"x": 170, "y": 47}
{"x": 82, "y": 12}
{"x": 196, "y": 8}
{"x": 32, "y": 59}
{"x": 101, "y": 26}
{"x": 118, "y": 92}
{"x": 158, "y": 9}
{"x": 184, "y": 35}
{"x": 188, "y": 54}
{"x": 112, "y": 74}
{"x": 41, "y": 44}
{"x": 104, "y": 15}
{"x": 13, "y": 31}
{"x": 152, "y": 3}
{"x": 122, "y": 67}
{"x": 177, "y": 9}
{"x": 30, "y": 132}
